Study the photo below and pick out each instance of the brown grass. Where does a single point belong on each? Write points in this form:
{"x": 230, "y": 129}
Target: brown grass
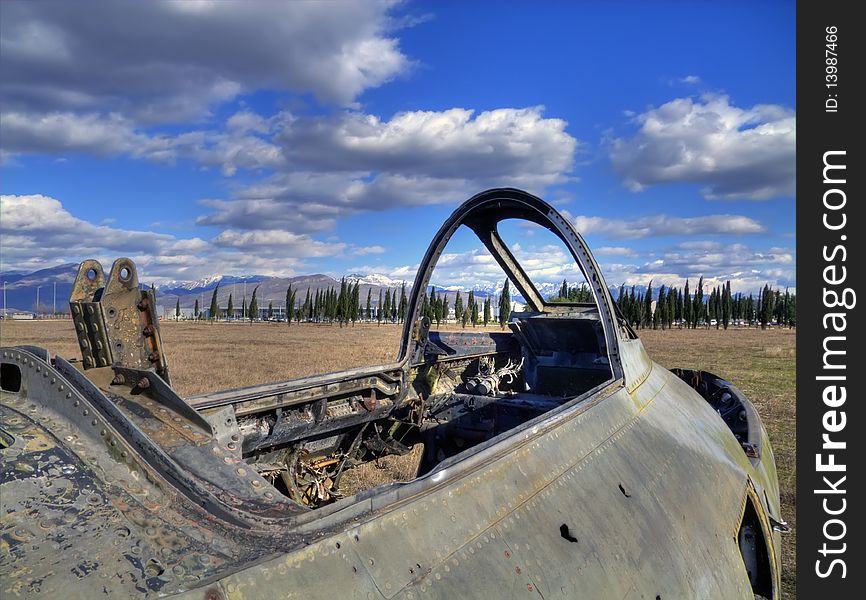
{"x": 384, "y": 470}
{"x": 204, "y": 357}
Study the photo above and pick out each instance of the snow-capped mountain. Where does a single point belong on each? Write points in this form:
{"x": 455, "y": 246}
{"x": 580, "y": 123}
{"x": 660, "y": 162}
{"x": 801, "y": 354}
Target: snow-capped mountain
{"x": 207, "y": 283}
{"x": 49, "y": 287}
{"x": 376, "y": 279}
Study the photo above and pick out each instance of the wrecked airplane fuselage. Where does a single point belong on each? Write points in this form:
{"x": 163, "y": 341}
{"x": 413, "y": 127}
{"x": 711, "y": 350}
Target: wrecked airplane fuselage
{"x": 558, "y": 460}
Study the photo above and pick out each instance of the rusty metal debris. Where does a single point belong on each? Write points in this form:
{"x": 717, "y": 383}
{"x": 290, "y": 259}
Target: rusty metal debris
{"x": 115, "y": 320}
{"x": 486, "y": 382}
{"x": 557, "y": 459}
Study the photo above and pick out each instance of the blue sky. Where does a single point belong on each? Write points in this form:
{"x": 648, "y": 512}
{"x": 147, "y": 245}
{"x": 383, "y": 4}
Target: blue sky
{"x": 290, "y": 138}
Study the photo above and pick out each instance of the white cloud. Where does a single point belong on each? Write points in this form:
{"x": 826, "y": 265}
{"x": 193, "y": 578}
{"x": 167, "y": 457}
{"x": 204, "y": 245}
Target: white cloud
{"x": 745, "y": 283}
{"x": 724, "y": 257}
{"x": 747, "y": 269}
{"x": 269, "y": 241}
{"x": 450, "y": 144}
{"x": 36, "y": 226}
{"x": 168, "y": 61}
{"x": 691, "y": 79}
{"x": 324, "y": 168}
{"x": 37, "y": 231}
{"x": 69, "y": 132}
{"x": 332, "y": 167}
{"x": 365, "y": 250}
{"x": 615, "y": 251}
{"x": 240, "y": 146}
{"x": 665, "y": 225}
{"x": 546, "y": 265}
{"x": 731, "y": 152}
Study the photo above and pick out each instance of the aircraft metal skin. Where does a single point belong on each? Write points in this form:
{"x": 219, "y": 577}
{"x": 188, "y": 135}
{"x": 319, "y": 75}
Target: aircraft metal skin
{"x": 113, "y": 486}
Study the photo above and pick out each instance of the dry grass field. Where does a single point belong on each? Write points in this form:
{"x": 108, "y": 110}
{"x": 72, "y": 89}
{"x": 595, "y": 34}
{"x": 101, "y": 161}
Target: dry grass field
{"x": 204, "y": 357}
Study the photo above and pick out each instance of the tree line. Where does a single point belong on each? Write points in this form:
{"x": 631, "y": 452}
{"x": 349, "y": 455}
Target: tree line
{"x": 673, "y": 306}
{"x": 720, "y": 308}
{"x": 435, "y": 307}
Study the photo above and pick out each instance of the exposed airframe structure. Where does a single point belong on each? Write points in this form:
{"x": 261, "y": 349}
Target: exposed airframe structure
{"x": 559, "y": 461}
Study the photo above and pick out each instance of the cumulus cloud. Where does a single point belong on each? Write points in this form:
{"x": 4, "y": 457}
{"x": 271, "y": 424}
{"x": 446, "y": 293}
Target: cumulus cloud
{"x": 69, "y": 132}
{"x": 46, "y": 228}
{"x": 320, "y": 168}
{"x": 109, "y": 86}
{"x": 453, "y": 143}
{"x": 36, "y": 231}
{"x": 272, "y": 240}
{"x": 546, "y": 265}
{"x": 167, "y": 61}
{"x": 731, "y": 152}
{"x": 615, "y": 251}
{"x": 665, "y": 225}
{"x": 722, "y": 259}
{"x": 335, "y": 166}
{"x": 748, "y": 269}
{"x": 365, "y": 250}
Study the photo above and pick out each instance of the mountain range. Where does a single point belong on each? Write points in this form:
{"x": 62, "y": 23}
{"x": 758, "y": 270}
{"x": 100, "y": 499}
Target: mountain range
{"x": 21, "y": 289}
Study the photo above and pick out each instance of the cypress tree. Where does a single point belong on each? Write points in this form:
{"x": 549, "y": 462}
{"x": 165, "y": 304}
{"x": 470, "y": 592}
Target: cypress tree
{"x": 766, "y": 306}
{"x": 342, "y": 303}
{"x": 698, "y": 303}
{"x": 778, "y": 307}
{"x": 230, "y": 309}
{"x": 195, "y": 310}
{"x": 687, "y": 305}
{"x": 355, "y": 301}
{"x": 736, "y": 306}
{"x": 214, "y": 306}
{"x": 290, "y": 305}
{"x": 660, "y": 315}
{"x": 711, "y": 306}
{"x": 625, "y": 305}
{"x": 367, "y": 313}
{"x": 404, "y": 303}
{"x": 633, "y": 308}
{"x": 792, "y": 310}
{"x": 386, "y": 308}
{"x": 648, "y": 303}
{"x": 727, "y": 305}
{"x": 379, "y": 308}
{"x": 431, "y": 304}
{"x": 487, "y": 314}
{"x": 504, "y": 304}
{"x": 177, "y": 310}
{"x": 458, "y": 308}
{"x": 473, "y": 308}
{"x": 254, "y": 306}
